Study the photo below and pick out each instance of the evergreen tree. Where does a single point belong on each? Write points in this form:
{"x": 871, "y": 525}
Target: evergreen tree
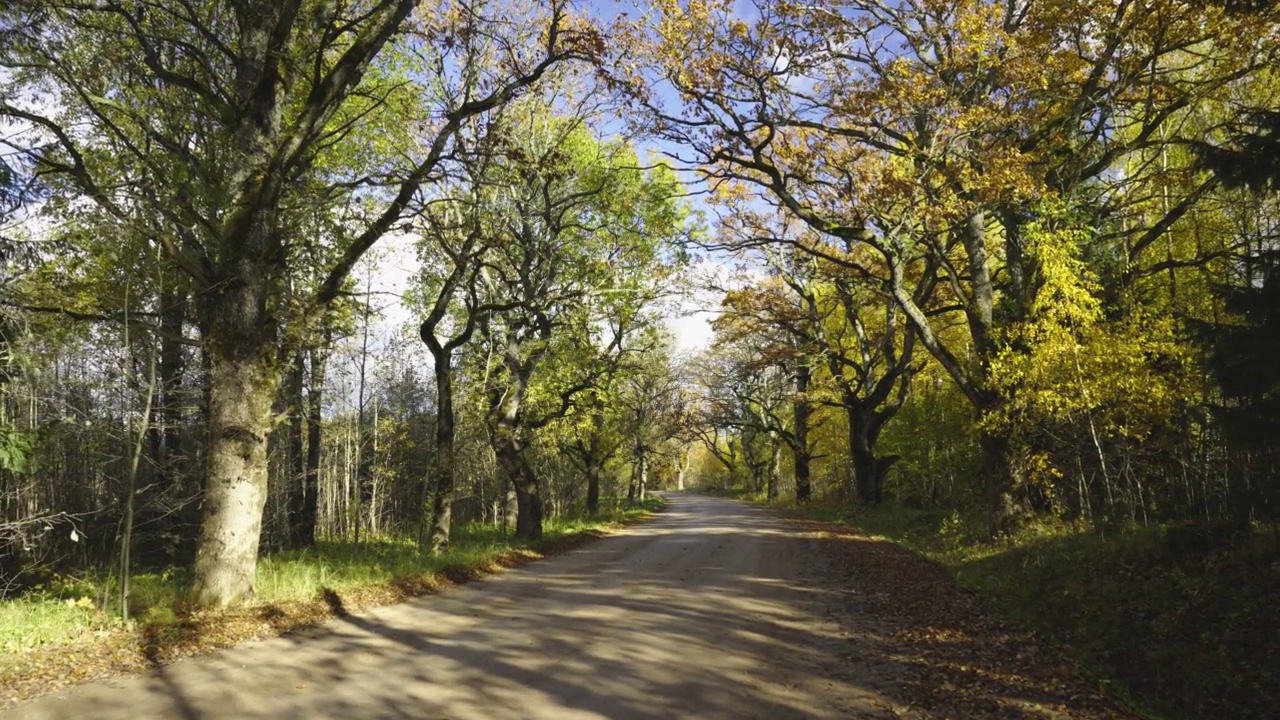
{"x": 1242, "y": 352}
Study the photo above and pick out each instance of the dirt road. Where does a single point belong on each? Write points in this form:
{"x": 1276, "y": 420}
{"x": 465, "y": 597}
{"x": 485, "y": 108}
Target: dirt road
{"x": 715, "y": 609}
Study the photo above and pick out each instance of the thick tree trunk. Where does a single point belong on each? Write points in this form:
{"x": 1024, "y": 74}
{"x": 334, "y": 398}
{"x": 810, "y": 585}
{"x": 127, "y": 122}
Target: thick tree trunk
{"x": 241, "y": 391}
{"x": 442, "y": 504}
{"x": 528, "y": 496}
{"x": 510, "y": 453}
{"x": 1015, "y": 263}
{"x": 1002, "y": 474}
{"x": 510, "y": 508}
{"x": 507, "y": 432}
{"x": 869, "y": 472}
{"x": 801, "y": 457}
{"x": 528, "y": 509}
{"x": 240, "y": 338}
{"x": 980, "y": 309}
{"x": 1004, "y": 485}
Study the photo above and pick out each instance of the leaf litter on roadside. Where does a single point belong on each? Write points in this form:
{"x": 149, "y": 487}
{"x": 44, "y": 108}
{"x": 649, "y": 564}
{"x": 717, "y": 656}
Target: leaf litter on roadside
{"x": 944, "y": 655}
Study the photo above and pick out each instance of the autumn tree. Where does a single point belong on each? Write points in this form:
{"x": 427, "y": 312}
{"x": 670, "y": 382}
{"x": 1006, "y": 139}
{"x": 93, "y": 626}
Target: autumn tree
{"x": 932, "y": 135}
{"x": 847, "y": 343}
{"x": 768, "y": 317}
{"x": 746, "y": 395}
{"x": 604, "y": 422}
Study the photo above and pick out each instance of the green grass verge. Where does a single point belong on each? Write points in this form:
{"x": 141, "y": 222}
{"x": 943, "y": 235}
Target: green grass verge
{"x": 1171, "y": 631}
{"x": 64, "y": 609}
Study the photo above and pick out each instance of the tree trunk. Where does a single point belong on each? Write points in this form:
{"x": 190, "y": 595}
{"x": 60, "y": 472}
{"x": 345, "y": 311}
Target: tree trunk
{"x": 307, "y": 519}
{"x": 509, "y": 508}
{"x": 506, "y": 430}
{"x": 593, "y": 463}
{"x": 1004, "y": 485}
{"x": 131, "y": 487}
{"x": 166, "y": 442}
{"x": 682, "y": 470}
{"x": 869, "y": 472}
{"x": 442, "y": 505}
{"x": 642, "y": 475}
{"x": 241, "y": 391}
{"x": 510, "y": 453}
{"x": 528, "y": 509}
{"x": 167, "y": 438}
{"x": 364, "y": 458}
{"x": 239, "y": 335}
{"x": 1015, "y": 263}
{"x": 801, "y": 458}
{"x": 593, "y": 486}
{"x": 775, "y": 463}
{"x": 757, "y": 468}
{"x": 296, "y": 490}
{"x": 802, "y": 410}
{"x": 980, "y": 309}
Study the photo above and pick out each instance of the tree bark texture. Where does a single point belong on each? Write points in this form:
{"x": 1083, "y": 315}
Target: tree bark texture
{"x": 642, "y": 476}
{"x": 241, "y": 393}
{"x": 593, "y": 487}
{"x": 511, "y": 458}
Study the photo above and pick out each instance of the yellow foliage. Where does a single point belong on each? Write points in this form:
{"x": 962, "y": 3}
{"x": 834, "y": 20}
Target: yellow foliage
{"x": 1066, "y": 366}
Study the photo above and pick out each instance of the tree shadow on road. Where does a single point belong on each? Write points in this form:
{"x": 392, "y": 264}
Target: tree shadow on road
{"x": 722, "y": 615}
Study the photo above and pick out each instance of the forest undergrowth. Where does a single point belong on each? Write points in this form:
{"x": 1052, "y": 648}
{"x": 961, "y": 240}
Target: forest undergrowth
{"x": 68, "y": 629}
{"x": 1172, "y": 620}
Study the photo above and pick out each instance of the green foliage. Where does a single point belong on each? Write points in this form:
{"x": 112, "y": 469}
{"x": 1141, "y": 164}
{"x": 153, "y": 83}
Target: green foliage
{"x": 16, "y": 449}
{"x": 935, "y": 437}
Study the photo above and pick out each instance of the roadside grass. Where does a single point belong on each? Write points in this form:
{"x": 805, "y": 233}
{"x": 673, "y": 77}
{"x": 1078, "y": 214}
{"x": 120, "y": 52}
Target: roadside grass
{"x": 294, "y": 589}
{"x": 42, "y": 618}
{"x": 1170, "y": 628}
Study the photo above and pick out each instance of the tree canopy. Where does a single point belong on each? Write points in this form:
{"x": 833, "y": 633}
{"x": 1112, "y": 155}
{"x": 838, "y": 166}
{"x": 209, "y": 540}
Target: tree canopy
{"x": 1006, "y": 256}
